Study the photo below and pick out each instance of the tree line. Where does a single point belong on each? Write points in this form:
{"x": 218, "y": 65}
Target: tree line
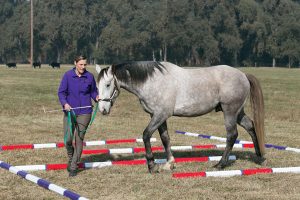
{"x": 190, "y": 32}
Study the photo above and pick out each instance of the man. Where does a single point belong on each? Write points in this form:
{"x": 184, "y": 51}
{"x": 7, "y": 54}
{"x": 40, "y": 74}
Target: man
{"x": 76, "y": 89}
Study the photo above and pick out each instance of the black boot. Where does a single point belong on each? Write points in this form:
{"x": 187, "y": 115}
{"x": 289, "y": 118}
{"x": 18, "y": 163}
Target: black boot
{"x": 70, "y": 152}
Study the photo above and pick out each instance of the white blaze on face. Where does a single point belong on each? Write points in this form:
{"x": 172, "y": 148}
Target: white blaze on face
{"x": 106, "y": 89}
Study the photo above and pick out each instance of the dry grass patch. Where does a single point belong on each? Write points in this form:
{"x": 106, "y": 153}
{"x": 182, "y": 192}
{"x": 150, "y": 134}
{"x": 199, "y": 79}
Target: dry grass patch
{"x": 24, "y": 92}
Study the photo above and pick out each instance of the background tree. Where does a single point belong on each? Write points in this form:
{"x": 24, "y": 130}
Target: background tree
{"x": 192, "y": 32}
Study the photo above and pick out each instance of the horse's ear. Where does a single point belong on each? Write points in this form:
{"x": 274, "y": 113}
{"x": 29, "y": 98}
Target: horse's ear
{"x": 98, "y": 68}
{"x": 109, "y": 71}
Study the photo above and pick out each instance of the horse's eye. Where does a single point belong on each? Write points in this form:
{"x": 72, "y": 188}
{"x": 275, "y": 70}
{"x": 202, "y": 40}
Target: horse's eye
{"x": 107, "y": 85}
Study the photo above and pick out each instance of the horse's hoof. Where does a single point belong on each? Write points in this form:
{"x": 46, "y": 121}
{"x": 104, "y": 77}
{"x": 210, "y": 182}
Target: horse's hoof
{"x": 261, "y": 161}
{"x": 167, "y": 166}
{"x": 173, "y": 166}
{"x": 154, "y": 168}
{"x": 220, "y": 165}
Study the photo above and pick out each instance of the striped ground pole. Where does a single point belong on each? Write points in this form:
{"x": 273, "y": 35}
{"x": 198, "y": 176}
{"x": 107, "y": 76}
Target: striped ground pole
{"x": 160, "y": 148}
{"x": 229, "y": 173}
{"x": 41, "y": 182}
{"x": 297, "y": 150}
{"x": 61, "y": 144}
{"x": 89, "y": 165}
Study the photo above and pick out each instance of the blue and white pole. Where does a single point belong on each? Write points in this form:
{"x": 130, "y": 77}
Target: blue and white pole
{"x": 41, "y": 182}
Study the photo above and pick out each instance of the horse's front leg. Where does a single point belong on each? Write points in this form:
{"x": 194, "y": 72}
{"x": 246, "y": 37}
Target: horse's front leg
{"x": 155, "y": 122}
{"x": 163, "y": 131}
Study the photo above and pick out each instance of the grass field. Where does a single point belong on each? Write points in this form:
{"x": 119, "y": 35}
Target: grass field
{"x": 25, "y": 91}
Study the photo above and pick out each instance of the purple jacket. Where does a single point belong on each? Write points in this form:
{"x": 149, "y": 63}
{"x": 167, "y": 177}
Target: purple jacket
{"x": 78, "y": 91}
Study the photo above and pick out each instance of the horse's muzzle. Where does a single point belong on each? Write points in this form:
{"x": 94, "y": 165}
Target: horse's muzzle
{"x": 105, "y": 112}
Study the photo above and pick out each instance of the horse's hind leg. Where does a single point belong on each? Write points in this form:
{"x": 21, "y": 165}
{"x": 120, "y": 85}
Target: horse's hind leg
{"x": 163, "y": 131}
{"x": 245, "y": 122}
{"x": 232, "y": 134}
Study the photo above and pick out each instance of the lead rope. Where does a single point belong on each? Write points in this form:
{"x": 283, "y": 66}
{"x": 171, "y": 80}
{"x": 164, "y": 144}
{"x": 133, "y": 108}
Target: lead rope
{"x": 70, "y": 128}
{"x": 71, "y": 115}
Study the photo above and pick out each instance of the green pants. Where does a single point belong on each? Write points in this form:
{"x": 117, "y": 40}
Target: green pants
{"x": 79, "y": 126}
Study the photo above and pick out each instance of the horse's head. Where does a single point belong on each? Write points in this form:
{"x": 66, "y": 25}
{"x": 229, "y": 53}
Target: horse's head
{"x": 108, "y": 89}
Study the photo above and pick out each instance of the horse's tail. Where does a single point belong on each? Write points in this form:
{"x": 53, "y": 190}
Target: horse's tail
{"x": 257, "y": 106}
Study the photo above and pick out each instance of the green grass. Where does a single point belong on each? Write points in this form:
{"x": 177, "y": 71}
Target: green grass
{"x": 24, "y": 92}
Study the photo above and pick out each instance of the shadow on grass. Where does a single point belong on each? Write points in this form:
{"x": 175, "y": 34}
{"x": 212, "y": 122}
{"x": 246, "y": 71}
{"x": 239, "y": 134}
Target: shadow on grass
{"x": 240, "y": 155}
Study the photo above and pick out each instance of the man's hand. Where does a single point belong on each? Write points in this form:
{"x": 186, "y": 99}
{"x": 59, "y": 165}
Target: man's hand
{"x": 67, "y": 107}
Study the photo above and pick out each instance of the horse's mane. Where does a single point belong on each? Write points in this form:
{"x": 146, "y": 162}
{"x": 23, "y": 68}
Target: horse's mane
{"x": 136, "y": 71}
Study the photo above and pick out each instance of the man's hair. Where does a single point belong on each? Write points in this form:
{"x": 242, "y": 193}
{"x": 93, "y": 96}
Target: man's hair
{"x": 79, "y": 58}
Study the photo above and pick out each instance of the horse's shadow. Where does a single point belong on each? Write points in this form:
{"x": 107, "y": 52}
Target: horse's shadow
{"x": 240, "y": 155}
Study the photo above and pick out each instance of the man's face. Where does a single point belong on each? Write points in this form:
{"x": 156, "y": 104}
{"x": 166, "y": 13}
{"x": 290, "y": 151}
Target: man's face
{"x": 80, "y": 66}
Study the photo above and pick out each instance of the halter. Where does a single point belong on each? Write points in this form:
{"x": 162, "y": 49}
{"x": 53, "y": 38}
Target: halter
{"x": 113, "y": 95}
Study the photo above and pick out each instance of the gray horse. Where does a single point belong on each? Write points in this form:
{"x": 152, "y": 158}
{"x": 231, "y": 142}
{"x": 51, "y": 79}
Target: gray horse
{"x": 166, "y": 90}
